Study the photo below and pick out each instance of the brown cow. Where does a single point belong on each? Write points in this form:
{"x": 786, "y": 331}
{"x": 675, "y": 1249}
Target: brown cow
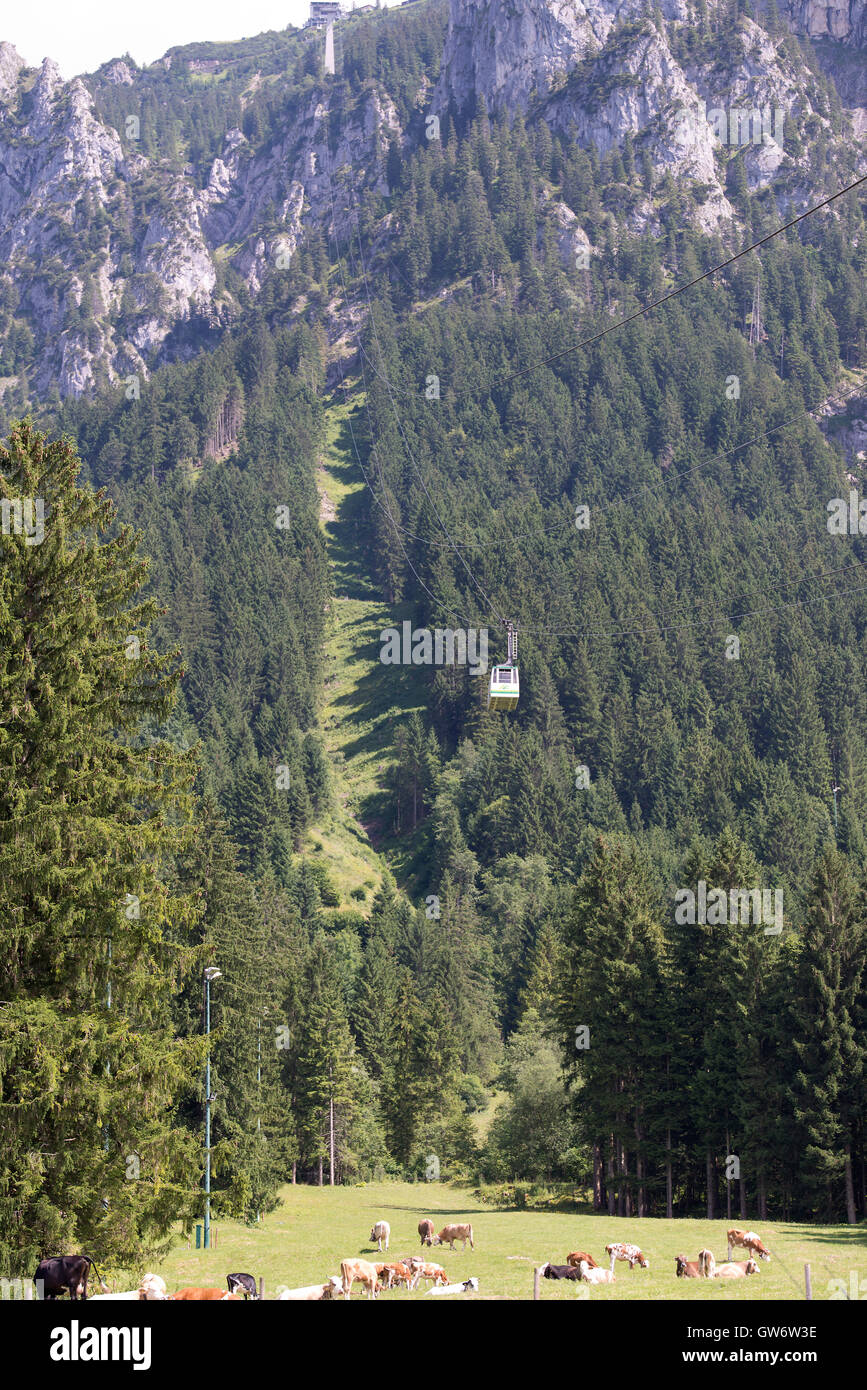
{"x": 686, "y": 1269}
{"x": 577, "y": 1256}
{"x": 210, "y": 1295}
{"x": 426, "y": 1231}
{"x": 706, "y": 1264}
{"x": 749, "y": 1241}
{"x": 456, "y": 1231}
{"x": 734, "y": 1269}
{"x": 362, "y": 1270}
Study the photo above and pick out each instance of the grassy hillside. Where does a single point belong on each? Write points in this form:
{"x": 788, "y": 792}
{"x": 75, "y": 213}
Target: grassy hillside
{"x": 362, "y": 697}
{"x": 314, "y": 1228}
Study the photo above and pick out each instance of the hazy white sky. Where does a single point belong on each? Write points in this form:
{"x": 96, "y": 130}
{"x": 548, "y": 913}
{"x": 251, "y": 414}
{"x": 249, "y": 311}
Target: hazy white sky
{"x": 81, "y": 34}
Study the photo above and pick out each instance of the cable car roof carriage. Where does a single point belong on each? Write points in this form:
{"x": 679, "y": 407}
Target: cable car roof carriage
{"x": 504, "y": 685}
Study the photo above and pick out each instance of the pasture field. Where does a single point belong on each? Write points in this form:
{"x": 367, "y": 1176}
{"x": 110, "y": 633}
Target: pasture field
{"x": 304, "y": 1240}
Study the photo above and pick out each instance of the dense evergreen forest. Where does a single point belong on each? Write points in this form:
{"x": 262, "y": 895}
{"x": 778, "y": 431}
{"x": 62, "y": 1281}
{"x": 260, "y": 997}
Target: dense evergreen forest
{"x": 651, "y": 511}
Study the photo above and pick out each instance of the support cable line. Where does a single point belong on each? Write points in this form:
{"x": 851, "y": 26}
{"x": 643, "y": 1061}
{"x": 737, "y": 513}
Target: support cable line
{"x": 680, "y": 289}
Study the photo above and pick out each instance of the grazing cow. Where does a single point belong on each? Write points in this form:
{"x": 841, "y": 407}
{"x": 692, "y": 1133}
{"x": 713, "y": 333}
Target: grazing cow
{"x": 152, "y": 1287}
{"x": 686, "y": 1269}
{"x": 577, "y": 1256}
{"x": 449, "y": 1234}
{"x": 561, "y": 1272}
{"x": 243, "y": 1283}
{"x": 596, "y": 1276}
{"x": 192, "y": 1295}
{"x": 66, "y": 1274}
{"x": 313, "y": 1293}
{"x": 621, "y": 1250}
{"x": 426, "y": 1231}
{"x": 381, "y": 1232}
{"x": 363, "y": 1271}
{"x": 734, "y": 1269}
{"x": 749, "y": 1241}
{"x": 706, "y": 1264}
{"x": 397, "y": 1272}
{"x": 429, "y": 1271}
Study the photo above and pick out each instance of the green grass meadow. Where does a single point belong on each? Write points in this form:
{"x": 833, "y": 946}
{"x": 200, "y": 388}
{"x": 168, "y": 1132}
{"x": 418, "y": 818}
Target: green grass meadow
{"x": 313, "y": 1229}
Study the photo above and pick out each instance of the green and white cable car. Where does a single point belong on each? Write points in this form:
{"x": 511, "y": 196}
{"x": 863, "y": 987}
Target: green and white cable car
{"x": 504, "y": 688}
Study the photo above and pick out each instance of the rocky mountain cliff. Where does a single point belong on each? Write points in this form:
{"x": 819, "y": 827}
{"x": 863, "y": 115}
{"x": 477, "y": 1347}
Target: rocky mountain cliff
{"x": 118, "y": 252}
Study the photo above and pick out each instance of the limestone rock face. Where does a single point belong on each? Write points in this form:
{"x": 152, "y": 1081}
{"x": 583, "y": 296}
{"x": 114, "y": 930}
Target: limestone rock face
{"x": 117, "y": 259}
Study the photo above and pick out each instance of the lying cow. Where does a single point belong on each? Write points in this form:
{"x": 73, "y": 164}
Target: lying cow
{"x": 363, "y": 1271}
{"x": 621, "y": 1250}
{"x": 381, "y": 1232}
{"x": 195, "y": 1295}
{"x": 706, "y": 1264}
{"x": 468, "y": 1286}
{"x": 61, "y": 1274}
{"x": 561, "y": 1272}
{"x": 734, "y": 1269}
{"x": 313, "y": 1293}
{"x": 576, "y": 1256}
{"x": 748, "y": 1240}
{"x": 426, "y": 1231}
{"x": 457, "y": 1231}
{"x": 243, "y": 1283}
{"x": 686, "y": 1269}
{"x": 596, "y": 1276}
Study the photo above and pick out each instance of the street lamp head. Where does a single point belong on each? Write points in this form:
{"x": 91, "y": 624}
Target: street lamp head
{"x": 212, "y": 973}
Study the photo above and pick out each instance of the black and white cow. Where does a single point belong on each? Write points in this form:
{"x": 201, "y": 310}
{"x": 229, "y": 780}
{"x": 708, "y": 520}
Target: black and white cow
{"x": 61, "y": 1274}
{"x": 242, "y": 1283}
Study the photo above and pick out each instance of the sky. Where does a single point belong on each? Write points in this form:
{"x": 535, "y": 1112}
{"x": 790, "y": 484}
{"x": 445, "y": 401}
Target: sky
{"x": 81, "y": 34}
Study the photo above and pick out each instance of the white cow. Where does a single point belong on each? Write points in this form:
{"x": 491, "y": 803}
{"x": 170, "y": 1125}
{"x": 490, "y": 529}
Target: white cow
{"x": 596, "y": 1276}
{"x": 313, "y": 1293}
{"x": 381, "y": 1232}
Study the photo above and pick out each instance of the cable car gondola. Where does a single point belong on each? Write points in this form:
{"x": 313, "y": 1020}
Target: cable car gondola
{"x": 504, "y": 688}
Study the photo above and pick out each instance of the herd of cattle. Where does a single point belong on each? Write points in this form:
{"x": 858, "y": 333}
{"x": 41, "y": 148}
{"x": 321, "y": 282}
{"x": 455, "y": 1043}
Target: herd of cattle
{"x": 69, "y": 1273}
{"x": 62, "y": 1274}
{"x": 581, "y": 1266}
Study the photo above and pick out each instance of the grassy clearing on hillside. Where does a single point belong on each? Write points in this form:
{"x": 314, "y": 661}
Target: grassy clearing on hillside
{"x": 314, "y": 1228}
{"x": 363, "y": 699}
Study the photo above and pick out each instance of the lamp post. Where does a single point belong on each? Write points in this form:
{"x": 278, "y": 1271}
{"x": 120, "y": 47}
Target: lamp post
{"x": 211, "y": 973}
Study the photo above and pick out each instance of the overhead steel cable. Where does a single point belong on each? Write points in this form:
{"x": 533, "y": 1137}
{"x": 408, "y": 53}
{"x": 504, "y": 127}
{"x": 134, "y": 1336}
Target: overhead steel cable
{"x": 681, "y": 289}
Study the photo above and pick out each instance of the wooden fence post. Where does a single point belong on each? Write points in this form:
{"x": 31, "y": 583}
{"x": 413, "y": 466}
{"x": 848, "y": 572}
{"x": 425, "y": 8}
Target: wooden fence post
{"x": 261, "y": 1287}
{"x": 808, "y": 1282}
{"x": 536, "y": 1273}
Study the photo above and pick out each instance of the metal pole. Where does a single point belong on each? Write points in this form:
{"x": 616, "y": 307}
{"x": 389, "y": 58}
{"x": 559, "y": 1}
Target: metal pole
{"x": 208, "y": 1115}
{"x": 808, "y": 1283}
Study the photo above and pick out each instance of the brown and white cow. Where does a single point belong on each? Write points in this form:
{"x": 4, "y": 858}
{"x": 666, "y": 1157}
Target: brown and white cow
{"x": 622, "y": 1250}
{"x": 596, "y": 1276}
{"x": 706, "y": 1264}
{"x": 686, "y": 1269}
{"x": 748, "y": 1240}
{"x": 152, "y": 1287}
{"x": 456, "y": 1231}
{"x": 734, "y": 1269}
{"x": 363, "y": 1271}
{"x": 381, "y": 1232}
{"x": 576, "y": 1256}
{"x": 395, "y": 1272}
{"x": 426, "y": 1231}
{"x": 429, "y": 1271}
